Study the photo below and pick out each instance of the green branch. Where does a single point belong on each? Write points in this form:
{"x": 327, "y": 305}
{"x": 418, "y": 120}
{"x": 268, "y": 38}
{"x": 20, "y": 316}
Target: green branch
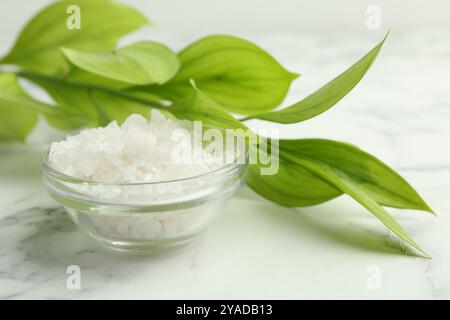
{"x": 149, "y": 102}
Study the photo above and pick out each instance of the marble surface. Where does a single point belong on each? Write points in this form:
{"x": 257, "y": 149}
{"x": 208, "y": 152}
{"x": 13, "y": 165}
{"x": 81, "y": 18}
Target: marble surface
{"x": 400, "y": 112}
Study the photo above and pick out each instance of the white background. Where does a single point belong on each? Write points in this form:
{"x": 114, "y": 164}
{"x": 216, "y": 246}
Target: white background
{"x": 262, "y": 15}
{"x": 244, "y": 17}
{"x": 249, "y": 17}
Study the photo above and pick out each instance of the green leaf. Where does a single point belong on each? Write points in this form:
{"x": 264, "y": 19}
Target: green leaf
{"x": 240, "y": 76}
{"x": 98, "y": 108}
{"x": 65, "y": 122}
{"x": 198, "y": 106}
{"x": 371, "y": 175}
{"x": 339, "y": 179}
{"x": 79, "y": 76}
{"x": 71, "y": 100}
{"x": 140, "y": 63}
{"x": 116, "y": 108}
{"x": 327, "y": 96}
{"x": 292, "y": 186}
{"x": 18, "y": 110}
{"x": 103, "y": 22}
{"x": 313, "y": 171}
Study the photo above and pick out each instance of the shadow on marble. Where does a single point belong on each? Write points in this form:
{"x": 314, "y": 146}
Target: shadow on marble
{"x": 48, "y": 237}
{"x": 314, "y": 219}
{"x": 20, "y": 163}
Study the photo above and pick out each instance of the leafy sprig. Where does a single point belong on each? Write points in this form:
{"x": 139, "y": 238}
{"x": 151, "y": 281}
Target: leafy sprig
{"x": 92, "y": 82}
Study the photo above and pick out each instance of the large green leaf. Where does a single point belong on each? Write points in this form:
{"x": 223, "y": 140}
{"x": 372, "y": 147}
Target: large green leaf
{"x": 379, "y": 181}
{"x": 71, "y": 100}
{"x": 196, "y": 105}
{"x": 141, "y": 63}
{"x": 327, "y": 96}
{"x": 103, "y": 22}
{"x": 99, "y": 108}
{"x": 291, "y": 186}
{"x": 240, "y": 76}
{"x": 19, "y": 112}
{"x": 116, "y": 108}
{"x": 313, "y": 171}
{"x": 347, "y": 184}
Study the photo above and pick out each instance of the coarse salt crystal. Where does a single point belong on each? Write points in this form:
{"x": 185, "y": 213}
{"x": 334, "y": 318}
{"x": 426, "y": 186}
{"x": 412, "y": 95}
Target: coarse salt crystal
{"x": 136, "y": 151}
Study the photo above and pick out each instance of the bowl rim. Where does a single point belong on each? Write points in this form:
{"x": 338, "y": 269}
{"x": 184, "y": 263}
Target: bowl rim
{"x": 236, "y": 165}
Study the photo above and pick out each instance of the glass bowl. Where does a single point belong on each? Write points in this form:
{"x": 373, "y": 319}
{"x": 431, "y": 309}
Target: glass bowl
{"x": 146, "y": 218}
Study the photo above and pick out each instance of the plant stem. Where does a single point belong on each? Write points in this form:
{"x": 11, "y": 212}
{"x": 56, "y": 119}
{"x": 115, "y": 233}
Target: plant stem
{"x": 92, "y": 87}
{"x": 246, "y": 118}
{"x": 149, "y": 102}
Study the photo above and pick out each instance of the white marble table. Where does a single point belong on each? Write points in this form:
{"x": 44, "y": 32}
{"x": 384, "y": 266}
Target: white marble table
{"x": 400, "y": 113}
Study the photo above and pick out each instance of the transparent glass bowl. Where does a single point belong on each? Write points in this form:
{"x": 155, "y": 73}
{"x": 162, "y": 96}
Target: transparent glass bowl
{"x": 146, "y": 218}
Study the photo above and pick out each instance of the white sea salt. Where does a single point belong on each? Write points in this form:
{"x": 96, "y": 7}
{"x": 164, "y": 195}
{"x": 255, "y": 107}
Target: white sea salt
{"x": 136, "y": 151}
{"x": 140, "y": 151}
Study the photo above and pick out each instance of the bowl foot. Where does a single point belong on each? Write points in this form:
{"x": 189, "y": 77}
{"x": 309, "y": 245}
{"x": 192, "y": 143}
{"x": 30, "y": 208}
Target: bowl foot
{"x": 154, "y": 247}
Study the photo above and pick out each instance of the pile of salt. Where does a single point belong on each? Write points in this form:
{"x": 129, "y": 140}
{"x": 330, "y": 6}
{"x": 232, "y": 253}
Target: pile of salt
{"x": 138, "y": 151}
